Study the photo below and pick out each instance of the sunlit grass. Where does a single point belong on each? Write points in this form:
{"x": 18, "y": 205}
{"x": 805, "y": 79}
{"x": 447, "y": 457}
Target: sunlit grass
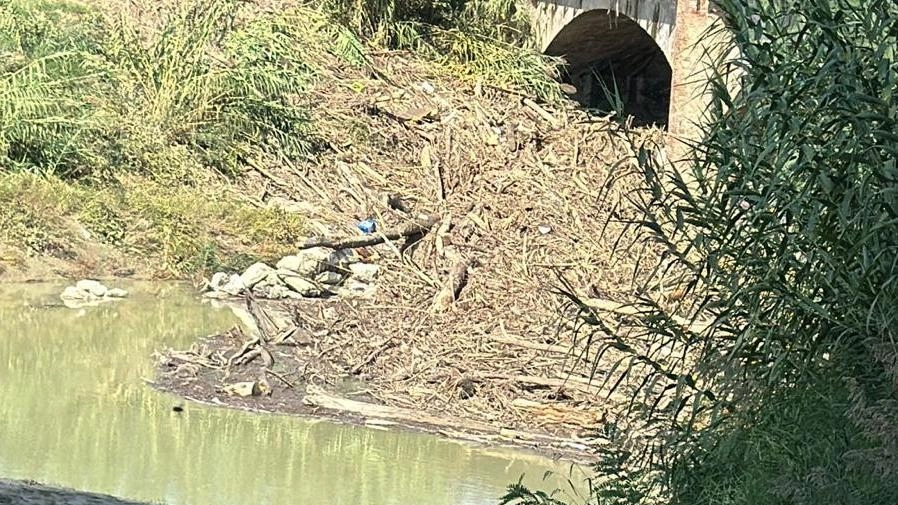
{"x": 172, "y": 231}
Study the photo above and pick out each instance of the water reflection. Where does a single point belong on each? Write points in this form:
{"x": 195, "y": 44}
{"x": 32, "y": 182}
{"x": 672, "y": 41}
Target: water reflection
{"x": 75, "y": 412}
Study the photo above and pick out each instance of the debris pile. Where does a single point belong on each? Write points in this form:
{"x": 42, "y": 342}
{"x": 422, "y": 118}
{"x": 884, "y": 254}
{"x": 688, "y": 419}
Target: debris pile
{"x": 523, "y": 201}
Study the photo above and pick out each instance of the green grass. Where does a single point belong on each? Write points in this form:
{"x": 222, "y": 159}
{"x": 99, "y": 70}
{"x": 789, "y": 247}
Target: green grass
{"x": 793, "y": 451}
{"x": 170, "y": 231}
{"x": 127, "y": 132}
{"x": 130, "y": 128}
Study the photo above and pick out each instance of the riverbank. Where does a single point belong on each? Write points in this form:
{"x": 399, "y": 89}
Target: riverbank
{"x": 33, "y": 493}
{"x": 111, "y": 165}
{"x": 468, "y": 321}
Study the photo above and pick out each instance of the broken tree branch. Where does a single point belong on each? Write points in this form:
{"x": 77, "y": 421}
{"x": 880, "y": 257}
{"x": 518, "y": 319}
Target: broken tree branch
{"x": 547, "y": 382}
{"x": 391, "y": 342}
{"x": 543, "y": 113}
{"x": 519, "y": 342}
{"x": 280, "y": 377}
{"x": 628, "y": 310}
{"x": 419, "y": 227}
{"x": 455, "y": 282}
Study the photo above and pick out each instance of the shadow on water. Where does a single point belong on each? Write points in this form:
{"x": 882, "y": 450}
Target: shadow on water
{"x": 74, "y": 411}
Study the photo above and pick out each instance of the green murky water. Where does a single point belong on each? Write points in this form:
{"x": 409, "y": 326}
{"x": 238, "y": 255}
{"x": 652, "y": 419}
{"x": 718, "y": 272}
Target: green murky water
{"x": 74, "y": 411}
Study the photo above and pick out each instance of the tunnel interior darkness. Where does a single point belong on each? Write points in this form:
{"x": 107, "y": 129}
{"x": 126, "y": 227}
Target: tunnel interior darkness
{"x": 606, "y": 51}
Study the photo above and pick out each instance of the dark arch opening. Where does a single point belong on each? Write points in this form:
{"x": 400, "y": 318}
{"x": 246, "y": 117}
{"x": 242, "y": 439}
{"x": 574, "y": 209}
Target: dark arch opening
{"x": 606, "y": 51}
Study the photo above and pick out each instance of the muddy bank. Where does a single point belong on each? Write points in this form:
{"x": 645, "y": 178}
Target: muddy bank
{"x": 32, "y": 493}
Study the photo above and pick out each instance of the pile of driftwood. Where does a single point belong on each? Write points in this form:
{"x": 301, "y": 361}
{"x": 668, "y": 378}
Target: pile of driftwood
{"x": 484, "y": 201}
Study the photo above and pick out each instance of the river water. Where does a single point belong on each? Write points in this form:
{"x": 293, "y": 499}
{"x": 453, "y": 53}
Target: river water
{"x": 75, "y": 411}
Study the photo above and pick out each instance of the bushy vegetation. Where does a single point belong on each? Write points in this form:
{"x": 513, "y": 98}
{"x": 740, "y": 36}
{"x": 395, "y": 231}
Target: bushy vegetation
{"x": 129, "y": 130}
{"x": 486, "y": 40}
{"x": 170, "y": 231}
{"x": 784, "y": 232}
{"x": 88, "y": 95}
{"x": 393, "y": 21}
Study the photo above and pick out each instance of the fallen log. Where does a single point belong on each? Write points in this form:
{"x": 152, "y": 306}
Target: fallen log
{"x": 316, "y": 397}
{"x": 419, "y": 227}
{"x": 378, "y": 414}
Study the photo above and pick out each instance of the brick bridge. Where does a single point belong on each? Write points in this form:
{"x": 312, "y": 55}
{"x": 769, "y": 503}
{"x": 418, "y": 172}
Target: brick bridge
{"x": 644, "y": 48}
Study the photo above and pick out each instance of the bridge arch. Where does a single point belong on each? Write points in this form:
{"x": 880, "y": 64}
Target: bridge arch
{"x": 609, "y": 51}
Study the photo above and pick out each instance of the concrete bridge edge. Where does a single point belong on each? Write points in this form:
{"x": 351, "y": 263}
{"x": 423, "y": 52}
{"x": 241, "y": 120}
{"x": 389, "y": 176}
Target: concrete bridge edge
{"x": 682, "y": 43}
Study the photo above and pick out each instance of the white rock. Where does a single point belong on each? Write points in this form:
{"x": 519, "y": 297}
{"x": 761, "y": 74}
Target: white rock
{"x": 426, "y": 87}
{"x": 272, "y": 287}
{"x": 301, "y": 285}
{"x": 218, "y": 280}
{"x": 261, "y": 291}
{"x": 234, "y": 286}
{"x": 274, "y": 278}
{"x": 544, "y": 229}
{"x": 82, "y": 304}
{"x": 217, "y": 295}
{"x": 271, "y": 279}
{"x": 116, "y": 293}
{"x": 364, "y": 272}
{"x": 356, "y": 289}
{"x": 91, "y": 286}
{"x": 244, "y": 389}
{"x": 76, "y": 294}
{"x": 343, "y": 258}
{"x": 255, "y": 274}
{"x": 292, "y": 263}
{"x": 307, "y": 262}
{"x": 278, "y": 291}
{"x": 329, "y": 277}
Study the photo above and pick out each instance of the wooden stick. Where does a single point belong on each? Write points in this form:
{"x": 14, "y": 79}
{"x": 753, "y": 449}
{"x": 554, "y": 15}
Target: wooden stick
{"x": 627, "y": 310}
{"x": 391, "y": 342}
{"x": 420, "y": 227}
{"x": 316, "y": 397}
{"x": 456, "y": 281}
{"x": 281, "y": 377}
{"x": 542, "y": 112}
{"x": 546, "y": 382}
{"x": 510, "y": 340}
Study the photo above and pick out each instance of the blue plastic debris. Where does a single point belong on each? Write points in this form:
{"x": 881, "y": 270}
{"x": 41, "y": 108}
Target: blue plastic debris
{"x": 367, "y": 226}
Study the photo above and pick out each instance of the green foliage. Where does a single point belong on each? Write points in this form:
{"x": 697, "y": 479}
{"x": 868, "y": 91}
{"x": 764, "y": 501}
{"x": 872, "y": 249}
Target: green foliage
{"x": 499, "y": 63}
{"x": 227, "y": 93}
{"x": 383, "y": 20}
{"x": 784, "y": 231}
{"x": 45, "y": 66}
{"x": 486, "y": 40}
{"x": 34, "y": 221}
{"x": 86, "y": 96}
{"x": 793, "y": 450}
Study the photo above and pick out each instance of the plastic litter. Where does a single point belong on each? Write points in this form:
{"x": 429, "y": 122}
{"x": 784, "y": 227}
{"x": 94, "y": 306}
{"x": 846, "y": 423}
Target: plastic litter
{"x": 367, "y": 226}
